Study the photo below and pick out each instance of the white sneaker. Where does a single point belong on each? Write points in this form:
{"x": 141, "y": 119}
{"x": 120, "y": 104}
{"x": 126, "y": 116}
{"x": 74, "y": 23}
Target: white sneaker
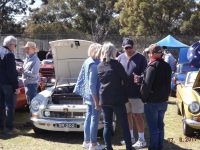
{"x": 132, "y": 140}
{"x": 140, "y": 144}
{"x": 96, "y": 147}
{"x": 86, "y": 145}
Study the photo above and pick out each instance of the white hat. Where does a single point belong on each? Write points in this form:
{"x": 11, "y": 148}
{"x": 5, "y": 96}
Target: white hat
{"x": 31, "y": 45}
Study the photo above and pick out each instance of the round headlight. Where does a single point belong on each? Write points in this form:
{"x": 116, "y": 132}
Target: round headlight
{"x": 47, "y": 113}
{"x": 35, "y": 104}
{"x": 194, "y": 107}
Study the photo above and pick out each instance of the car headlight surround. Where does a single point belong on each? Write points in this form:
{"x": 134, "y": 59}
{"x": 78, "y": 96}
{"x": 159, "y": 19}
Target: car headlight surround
{"x": 194, "y": 107}
{"x": 35, "y": 104}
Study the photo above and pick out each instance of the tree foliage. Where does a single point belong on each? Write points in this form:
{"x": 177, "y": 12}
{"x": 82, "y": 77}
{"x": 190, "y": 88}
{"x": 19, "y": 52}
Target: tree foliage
{"x": 154, "y": 17}
{"x": 87, "y": 16}
{"x": 8, "y": 9}
{"x": 51, "y": 19}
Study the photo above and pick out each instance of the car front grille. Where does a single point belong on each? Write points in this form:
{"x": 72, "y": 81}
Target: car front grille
{"x": 63, "y": 115}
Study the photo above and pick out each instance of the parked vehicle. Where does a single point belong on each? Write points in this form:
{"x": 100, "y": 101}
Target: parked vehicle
{"x": 188, "y": 102}
{"x": 58, "y": 108}
{"x": 180, "y": 75}
{"x": 21, "y": 98}
{"x": 47, "y": 69}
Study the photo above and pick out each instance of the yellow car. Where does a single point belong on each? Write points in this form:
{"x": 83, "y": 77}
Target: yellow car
{"x": 188, "y": 102}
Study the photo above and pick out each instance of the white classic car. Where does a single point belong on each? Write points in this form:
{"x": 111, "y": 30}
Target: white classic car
{"x": 58, "y": 108}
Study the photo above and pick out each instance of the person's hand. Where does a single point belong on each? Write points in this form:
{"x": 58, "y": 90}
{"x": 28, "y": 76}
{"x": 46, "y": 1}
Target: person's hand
{"x": 22, "y": 70}
{"x": 136, "y": 78}
{"x": 97, "y": 107}
{"x": 17, "y": 91}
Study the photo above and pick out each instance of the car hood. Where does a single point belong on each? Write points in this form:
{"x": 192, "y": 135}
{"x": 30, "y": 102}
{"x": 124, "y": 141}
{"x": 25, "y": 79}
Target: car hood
{"x": 197, "y": 81}
{"x": 68, "y": 56}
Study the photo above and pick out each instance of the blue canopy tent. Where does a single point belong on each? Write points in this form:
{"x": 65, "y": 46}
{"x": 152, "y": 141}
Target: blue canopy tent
{"x": 170, "y": 41}
{"x": 175, "y": 45}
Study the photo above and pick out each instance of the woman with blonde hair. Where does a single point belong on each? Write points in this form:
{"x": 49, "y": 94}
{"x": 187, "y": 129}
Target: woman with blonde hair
{"x": 87, "y": 86}
{"x": 113, "y": 82}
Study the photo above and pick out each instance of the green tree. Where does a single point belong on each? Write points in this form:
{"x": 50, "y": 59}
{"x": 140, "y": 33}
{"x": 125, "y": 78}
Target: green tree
{"x": 191, "y": 25}
{"x": 8, "y": 9}
{"x": 49, "y": 21}
{"x": 153, "y": 17}
{"x": 91, "y": 17}
{"x": 94, "y": 17}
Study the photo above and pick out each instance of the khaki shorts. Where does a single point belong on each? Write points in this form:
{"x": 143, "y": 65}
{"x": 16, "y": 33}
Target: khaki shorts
{"x": 135, "y": 106}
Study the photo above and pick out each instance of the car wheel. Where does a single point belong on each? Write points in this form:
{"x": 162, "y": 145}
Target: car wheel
{"x": 187, "y": 130}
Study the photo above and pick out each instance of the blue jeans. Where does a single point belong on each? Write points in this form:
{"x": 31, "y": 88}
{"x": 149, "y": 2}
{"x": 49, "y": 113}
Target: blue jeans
{"x": 154, "y": 113}
{"x": 6, "y": 107}
{"x": 91, "y": 124}
{"x": 121, "y": 114}
{"x": 31, "y": 92}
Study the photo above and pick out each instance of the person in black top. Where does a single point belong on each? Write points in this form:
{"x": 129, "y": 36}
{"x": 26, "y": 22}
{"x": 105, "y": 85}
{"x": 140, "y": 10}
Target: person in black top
{"x": 8, "y": 84}
{"x": 113, "y": 82}
{"x": 155, "y": 91}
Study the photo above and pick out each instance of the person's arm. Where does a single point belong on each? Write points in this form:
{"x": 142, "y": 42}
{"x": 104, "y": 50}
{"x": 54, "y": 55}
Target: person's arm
{"x": 11, "y": 70}
{"x": 148, "y": 83}
{"x": 34, "y": 70}
{"x": 93, "y": 85}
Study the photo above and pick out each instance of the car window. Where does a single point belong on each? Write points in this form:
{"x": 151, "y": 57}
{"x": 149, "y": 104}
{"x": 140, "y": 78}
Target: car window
{"x": 184, "y": 68}
{"x": 191, "y": 78}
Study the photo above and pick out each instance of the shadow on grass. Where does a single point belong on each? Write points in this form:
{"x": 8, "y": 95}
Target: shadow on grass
{"x": 170, "y": 145}
{"x": 76, "y": 137}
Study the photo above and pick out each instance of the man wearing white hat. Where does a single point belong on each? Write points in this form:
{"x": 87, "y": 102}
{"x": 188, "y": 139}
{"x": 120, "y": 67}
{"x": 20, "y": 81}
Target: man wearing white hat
{"x": 31, "y": 71}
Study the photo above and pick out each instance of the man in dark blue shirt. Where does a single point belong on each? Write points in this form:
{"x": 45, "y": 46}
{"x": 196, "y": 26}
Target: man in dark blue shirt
{"x": 8, "y": 85}
{"x": 134, "y": 64}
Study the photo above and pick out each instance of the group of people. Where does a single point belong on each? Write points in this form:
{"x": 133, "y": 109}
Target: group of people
{"x": 126, "y": 86}
{"x": 9, "y": 80}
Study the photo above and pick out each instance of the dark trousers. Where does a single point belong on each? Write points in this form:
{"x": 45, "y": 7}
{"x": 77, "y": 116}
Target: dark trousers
{"x": 154, "y": 113}
{"x": 121, "y": 114}
{"x": 6, "y": 107}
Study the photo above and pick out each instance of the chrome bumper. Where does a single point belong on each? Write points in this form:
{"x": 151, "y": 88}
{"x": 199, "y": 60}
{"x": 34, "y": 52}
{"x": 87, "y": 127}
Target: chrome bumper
{"x": 191, "y": 122}
{"x": 50, "y": 124}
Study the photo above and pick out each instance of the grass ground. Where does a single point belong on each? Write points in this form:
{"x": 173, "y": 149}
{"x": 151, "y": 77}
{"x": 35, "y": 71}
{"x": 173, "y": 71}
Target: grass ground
{"x": 27, "y": 140}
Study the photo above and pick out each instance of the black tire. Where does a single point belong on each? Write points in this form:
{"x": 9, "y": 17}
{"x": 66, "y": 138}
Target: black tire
{"x": 187, "y": 130}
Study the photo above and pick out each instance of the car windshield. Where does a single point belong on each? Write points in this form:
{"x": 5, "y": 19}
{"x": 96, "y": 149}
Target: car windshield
{"x": 191, "y": 78}
{"x": 184, "y": 68}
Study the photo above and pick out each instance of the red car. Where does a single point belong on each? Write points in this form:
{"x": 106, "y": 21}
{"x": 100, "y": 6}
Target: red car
{"x": 47, "y": 69}
{"x": 21, "y": 98}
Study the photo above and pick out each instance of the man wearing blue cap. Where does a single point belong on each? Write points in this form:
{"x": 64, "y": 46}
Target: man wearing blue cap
{"x": 134, "y": 64}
